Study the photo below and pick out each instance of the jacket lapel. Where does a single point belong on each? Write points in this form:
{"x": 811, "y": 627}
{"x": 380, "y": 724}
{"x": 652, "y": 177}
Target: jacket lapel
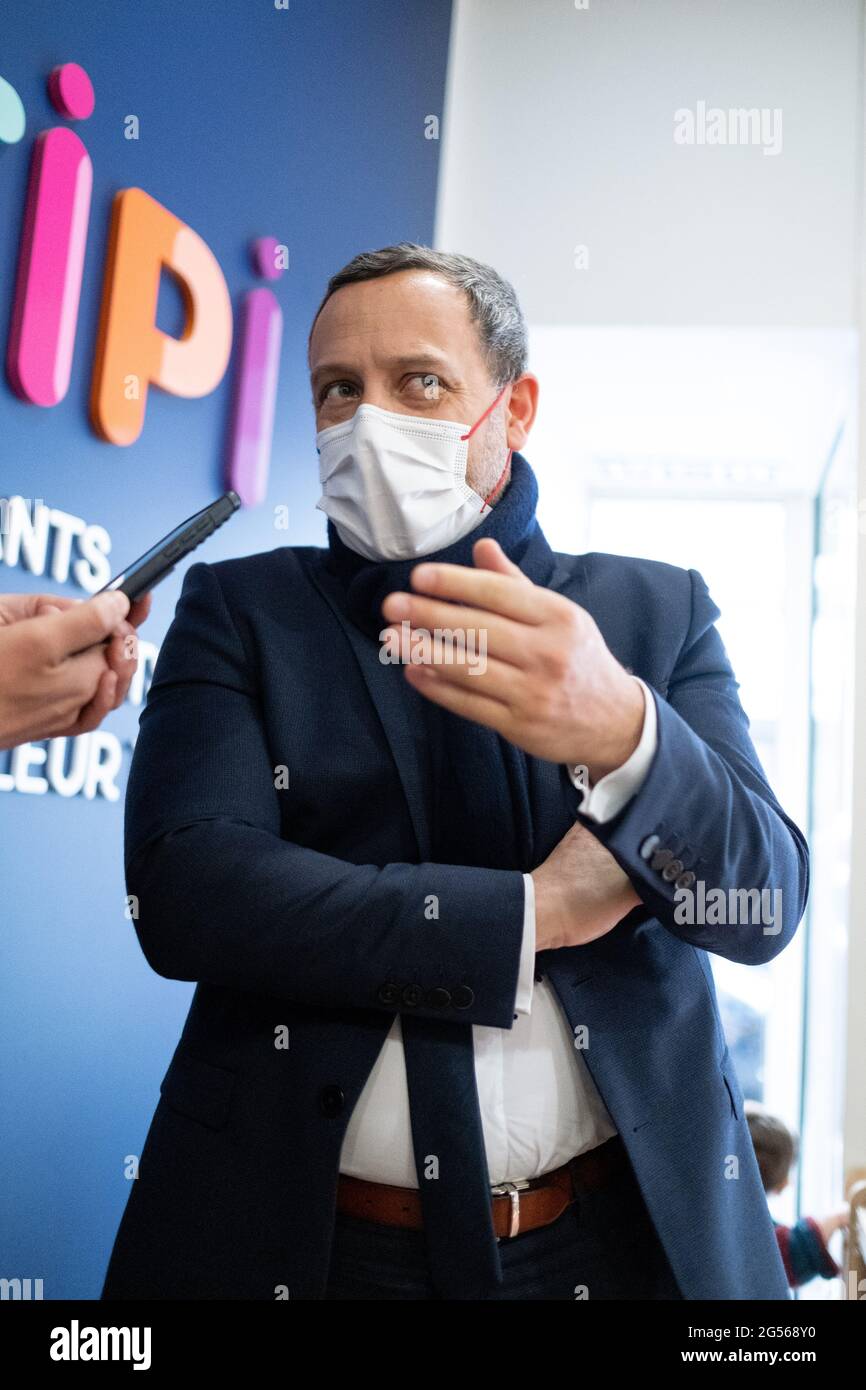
{"x": 393, "y": 700}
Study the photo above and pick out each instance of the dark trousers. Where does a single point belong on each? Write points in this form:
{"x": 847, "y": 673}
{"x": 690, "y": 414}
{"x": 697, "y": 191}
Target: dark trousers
{"x": 603, "y": 1246}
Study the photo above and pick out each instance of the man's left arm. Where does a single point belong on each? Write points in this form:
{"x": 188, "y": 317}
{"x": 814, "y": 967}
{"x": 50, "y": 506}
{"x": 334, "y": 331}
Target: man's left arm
{"x": 704, "y": 817}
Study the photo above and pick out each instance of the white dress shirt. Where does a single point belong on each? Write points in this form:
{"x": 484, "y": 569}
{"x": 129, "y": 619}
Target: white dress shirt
{"x": 539, "y": 1104}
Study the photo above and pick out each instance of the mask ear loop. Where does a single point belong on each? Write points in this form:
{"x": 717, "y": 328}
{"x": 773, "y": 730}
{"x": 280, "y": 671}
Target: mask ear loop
{"x": 510, "y": 451}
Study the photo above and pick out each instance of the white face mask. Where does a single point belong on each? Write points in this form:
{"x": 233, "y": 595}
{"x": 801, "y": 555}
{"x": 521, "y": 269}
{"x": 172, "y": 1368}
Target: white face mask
{"x": 395, "y": 485}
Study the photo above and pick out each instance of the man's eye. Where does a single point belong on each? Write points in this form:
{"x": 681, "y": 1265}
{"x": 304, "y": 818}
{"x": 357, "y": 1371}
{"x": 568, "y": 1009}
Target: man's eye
{"x": 337, "y": 386}
{"x": 430, "y": 383}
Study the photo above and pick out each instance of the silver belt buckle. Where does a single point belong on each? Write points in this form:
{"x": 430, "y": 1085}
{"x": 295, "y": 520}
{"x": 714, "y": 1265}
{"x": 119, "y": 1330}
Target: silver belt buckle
{"x": 512, "y": 1190}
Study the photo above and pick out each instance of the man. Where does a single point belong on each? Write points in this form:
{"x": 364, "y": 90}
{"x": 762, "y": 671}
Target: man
{"x": 452, "y": 1037}
{"x": 64, "y": 665}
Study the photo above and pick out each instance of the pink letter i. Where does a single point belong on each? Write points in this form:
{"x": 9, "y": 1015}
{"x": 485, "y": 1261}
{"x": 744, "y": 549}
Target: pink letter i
{"x": 51, "y": 256}
{"x": 255, "y": 393}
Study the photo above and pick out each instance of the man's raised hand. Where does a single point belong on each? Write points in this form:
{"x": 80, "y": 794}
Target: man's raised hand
{"x": 550, "y": 684}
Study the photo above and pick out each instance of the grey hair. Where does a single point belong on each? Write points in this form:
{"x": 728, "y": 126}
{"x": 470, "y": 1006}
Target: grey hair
{"x": 493, "y": 304}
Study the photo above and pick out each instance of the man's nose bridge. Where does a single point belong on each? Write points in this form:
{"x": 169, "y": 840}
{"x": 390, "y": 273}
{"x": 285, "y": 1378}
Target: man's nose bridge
{"x": 376, "y": 386}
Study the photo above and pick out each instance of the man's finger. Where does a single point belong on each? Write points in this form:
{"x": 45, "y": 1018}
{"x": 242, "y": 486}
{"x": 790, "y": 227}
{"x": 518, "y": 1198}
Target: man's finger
{"x": 499, "y": 593}
{"x": 502, "y": 637}
{"x": 93, "y": 713}
{"x": 85, "y": 624}
{"x": 122, "y": 657}
{"x": 54, "y": 603}
{"x": 79, "y": 676}
{"x": 122, "y": 648}
{"x": 480, "y": 708}
{"x": 140, "y": 610}
{"x": 15, "y": 607}
{"x": 489, "y": 555}
{"x": 480, "y": 674}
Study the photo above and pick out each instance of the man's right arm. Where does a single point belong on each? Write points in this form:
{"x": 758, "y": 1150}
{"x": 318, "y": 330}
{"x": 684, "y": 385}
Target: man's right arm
{"x": 222, "y": 898}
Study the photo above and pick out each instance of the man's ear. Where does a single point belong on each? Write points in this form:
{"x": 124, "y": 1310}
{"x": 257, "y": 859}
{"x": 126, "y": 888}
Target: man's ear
{"x": 520, "y": 410}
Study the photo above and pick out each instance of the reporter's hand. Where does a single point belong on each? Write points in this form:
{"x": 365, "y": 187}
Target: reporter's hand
{"x": 121, "y": 650}
{"x": 56, "y": 677}
{"x": 14, "y": 607}
{"x": 580, "y": 892}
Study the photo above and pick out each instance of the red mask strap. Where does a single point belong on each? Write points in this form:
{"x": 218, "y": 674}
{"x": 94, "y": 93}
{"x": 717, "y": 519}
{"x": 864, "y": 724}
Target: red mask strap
{"x": 498, "y": 480}
{"x": 510, "y": 451}
{"x": 487, "y": 412}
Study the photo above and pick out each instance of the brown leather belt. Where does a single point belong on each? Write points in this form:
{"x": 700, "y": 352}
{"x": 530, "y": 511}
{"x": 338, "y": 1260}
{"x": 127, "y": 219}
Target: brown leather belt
{"x": 517, "y": 1206}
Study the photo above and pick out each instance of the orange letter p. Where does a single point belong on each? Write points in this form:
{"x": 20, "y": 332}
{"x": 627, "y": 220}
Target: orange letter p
{"x": 132, "y": 353}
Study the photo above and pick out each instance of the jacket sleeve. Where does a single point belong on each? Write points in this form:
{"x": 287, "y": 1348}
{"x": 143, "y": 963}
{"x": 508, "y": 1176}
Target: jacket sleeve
{"x": 706, "y": 816}
{"x": 222, "y": 898}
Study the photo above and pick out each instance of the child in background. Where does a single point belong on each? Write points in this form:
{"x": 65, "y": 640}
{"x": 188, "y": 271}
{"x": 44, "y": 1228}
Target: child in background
{"x": 803, "y": 1246}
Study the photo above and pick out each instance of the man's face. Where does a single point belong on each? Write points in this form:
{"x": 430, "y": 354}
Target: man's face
{"x": 406, "y": 343}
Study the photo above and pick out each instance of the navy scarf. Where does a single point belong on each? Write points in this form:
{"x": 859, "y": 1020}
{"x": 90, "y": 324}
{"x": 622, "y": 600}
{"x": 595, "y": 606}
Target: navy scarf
{"x": 489, "y": 804}
{"x": 511, "y": 522}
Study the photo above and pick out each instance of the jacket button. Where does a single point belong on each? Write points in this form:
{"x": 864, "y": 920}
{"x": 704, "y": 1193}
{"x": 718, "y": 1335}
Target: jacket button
{"x": 661, "y": 857}
{"x": 462, "y": 997}
{"x": 389, "y": 993}
{"x": 439, "y": 998}
{"x": 331, "y": 1100}
{"x": 648, "y": 846}
{"x": 412, "y": 996}
{"x": 672, "y": 870}
{"x": 685, "y": 880}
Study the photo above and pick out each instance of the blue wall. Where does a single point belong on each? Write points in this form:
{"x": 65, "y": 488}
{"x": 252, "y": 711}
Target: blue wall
{"x": 307, "y": 125}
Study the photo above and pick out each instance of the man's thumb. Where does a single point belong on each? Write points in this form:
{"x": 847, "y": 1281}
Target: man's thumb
{"x": 489, "y": 555}
{"x": 87, "y": 623}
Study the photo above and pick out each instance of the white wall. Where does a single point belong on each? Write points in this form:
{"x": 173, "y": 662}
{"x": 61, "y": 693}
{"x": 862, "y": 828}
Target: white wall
{"x": 558, "y": 131}
{"x": 855, "y": 1117}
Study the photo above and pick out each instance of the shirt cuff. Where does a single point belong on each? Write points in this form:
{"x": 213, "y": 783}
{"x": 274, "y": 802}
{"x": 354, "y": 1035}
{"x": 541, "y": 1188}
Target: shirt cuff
{"x": 603, "y": 801}
{"x": 526, "y": 975}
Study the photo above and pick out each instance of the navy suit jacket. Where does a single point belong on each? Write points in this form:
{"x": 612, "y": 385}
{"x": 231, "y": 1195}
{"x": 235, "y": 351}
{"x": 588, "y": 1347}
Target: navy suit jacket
{"x": 297, "y": 907}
